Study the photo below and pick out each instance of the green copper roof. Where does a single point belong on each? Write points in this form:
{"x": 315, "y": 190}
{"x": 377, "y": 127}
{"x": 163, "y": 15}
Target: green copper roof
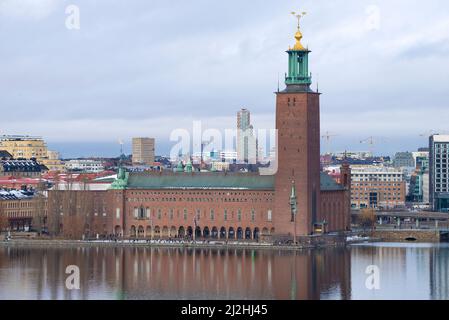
{"x": 210, "y": 180}
{"x": 200, "y": 181}
{"x": 329, "y": 184}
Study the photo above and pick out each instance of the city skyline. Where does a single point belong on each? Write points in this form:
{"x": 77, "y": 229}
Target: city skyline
{"x": 85, "y": 96}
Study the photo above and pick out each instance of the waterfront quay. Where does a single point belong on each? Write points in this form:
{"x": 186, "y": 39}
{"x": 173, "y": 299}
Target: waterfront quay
{"x": 308, "y": 242}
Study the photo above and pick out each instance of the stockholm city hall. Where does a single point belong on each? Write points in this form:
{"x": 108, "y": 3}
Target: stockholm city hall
{"x": 297, "y": 200}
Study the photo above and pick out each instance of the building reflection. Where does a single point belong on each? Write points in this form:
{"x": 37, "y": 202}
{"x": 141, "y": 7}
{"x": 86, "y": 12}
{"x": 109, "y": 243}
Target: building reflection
{"x": 159, "y": 273}
{"x": 439, "y": 274}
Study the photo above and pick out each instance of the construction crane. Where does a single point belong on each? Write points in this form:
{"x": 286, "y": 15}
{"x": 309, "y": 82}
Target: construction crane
{"x": 433, "y": 132}
{"x": 328, "y": 137}
{"x": 427, "y": 134}
{"x": 371, "y": 141}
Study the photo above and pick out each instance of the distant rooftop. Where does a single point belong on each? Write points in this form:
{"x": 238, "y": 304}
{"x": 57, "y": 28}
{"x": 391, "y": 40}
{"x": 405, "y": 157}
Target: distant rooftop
{"x": 19, "y": 137}
{"x": 15, "y": 194}
{"x": 21, "y": 166}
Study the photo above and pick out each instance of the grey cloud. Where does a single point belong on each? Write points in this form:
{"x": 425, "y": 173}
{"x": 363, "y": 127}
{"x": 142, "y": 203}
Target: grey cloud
{"x": 205, "y": 59}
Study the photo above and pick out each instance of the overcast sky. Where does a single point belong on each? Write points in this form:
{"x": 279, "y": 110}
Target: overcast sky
{"x": 144, "y": 68}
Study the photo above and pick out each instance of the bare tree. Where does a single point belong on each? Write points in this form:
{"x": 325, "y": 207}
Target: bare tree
{"x": 39, "y": 205}
{"x": 367, "y": 218}
{"x": 3, "y": 217}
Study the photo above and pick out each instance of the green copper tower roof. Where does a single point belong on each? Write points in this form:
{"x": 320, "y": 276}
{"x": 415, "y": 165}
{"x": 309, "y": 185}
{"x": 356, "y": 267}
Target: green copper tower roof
{"x": 298, "y": 62}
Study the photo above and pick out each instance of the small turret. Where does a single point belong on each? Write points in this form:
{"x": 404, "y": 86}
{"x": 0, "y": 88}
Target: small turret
{"x": 189, "y": 167}
{"x": 180, "y": 167}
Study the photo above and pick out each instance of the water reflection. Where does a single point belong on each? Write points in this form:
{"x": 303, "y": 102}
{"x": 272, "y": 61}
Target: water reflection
{"x": 413, "y": 272}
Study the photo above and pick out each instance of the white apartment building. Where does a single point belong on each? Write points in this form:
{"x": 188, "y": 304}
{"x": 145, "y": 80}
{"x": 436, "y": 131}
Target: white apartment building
{"x": 85, "y": 165}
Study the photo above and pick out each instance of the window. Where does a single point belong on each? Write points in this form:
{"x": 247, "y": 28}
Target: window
{"x": 185, "y": 214}
{"x": 212, "y": 215}
{"x": 159, "y": 214}
{"x": 269, "y": 217}
{"x": 239, "y": 215}
{"x": 226, "y": 215}
{"x": 253, "y": 215}
{"x": 171, "y": 214}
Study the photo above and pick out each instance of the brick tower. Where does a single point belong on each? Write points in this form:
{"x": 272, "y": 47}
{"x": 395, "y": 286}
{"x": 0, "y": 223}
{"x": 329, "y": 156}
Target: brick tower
{"x": 298, "y": 151}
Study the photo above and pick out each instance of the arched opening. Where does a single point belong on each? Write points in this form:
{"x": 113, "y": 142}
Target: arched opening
{"x": 86, "y": 230}
{"x": 214, "y": 233}
{"x": 157, "y": 232}
{"x": 189, "y": 231}
{"x": 132, "y": 232}
{"x": 206, "y": 232}
{"x": 148, "y": 233}
{"x": 239, "y": 233}
{"x": 256, "y": 234}
{"x": 165, "y": 233}
{"x": 231, "y": 233}
{"x": 272, "y": 231}
{"x": 140, "y": 232}
{"x": 198, "y": 232}
{"x": 118, "y": 231}
{"x": 173, "y": 232}
{"x": 247, "y": 233}
{"x": 181, "y": 232}
{"x": 265, "y": 231}
{"x": 222, "y": 233}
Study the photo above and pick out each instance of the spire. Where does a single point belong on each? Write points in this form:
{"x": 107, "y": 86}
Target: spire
{"x": 293, "y": 202}
{"x": 298, "y": 35}
{"x": 298, "y": 61}
{"x": 189, "y": 167}
{"x": 180, "y": 167}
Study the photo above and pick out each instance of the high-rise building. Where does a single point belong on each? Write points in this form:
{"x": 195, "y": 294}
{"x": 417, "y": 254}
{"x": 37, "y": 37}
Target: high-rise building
{"x": 143, "y": 151}
{"x": 438, "y": 172}
{"x": 246, "y": 141}
{"x": 403, "y": 159}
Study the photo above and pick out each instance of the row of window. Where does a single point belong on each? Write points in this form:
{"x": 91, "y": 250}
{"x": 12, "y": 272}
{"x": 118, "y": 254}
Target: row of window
{"x": 198, "y": 200}
{"x": 18, "y": 204}
{"x": 20, "y": 214}
{"x": 147, "y": 213}
{"x": 202, "y": 193}
{"x": 356, "y": 184}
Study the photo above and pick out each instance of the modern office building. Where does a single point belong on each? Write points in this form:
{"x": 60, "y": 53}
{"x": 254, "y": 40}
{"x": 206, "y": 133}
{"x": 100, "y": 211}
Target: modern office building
{"x": 246, "y": 140}
{"x": 143, "y": 151}
{"x": 403, "y": 159}
{"x": 421, "y": 158}
{"x": 377, "y": 187}
{"x": 438, "y": 172}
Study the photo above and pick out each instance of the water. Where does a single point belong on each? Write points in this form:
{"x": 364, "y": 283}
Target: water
{"x": 406, "y": 271}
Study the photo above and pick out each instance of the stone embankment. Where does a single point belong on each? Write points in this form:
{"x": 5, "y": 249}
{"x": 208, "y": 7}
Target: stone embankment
{"x": 303, "y": 243}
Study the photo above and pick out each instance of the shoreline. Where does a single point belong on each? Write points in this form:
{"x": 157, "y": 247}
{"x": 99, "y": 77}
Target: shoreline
{"x": 142, "y": 244}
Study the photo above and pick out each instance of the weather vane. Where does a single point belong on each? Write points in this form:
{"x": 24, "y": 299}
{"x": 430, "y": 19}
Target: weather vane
{"x": 298, "y": 36}
{"x": 299, "y": 15}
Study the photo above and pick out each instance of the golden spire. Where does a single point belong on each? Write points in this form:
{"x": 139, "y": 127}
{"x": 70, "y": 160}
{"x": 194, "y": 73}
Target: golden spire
{"x": 298, "y": 35}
